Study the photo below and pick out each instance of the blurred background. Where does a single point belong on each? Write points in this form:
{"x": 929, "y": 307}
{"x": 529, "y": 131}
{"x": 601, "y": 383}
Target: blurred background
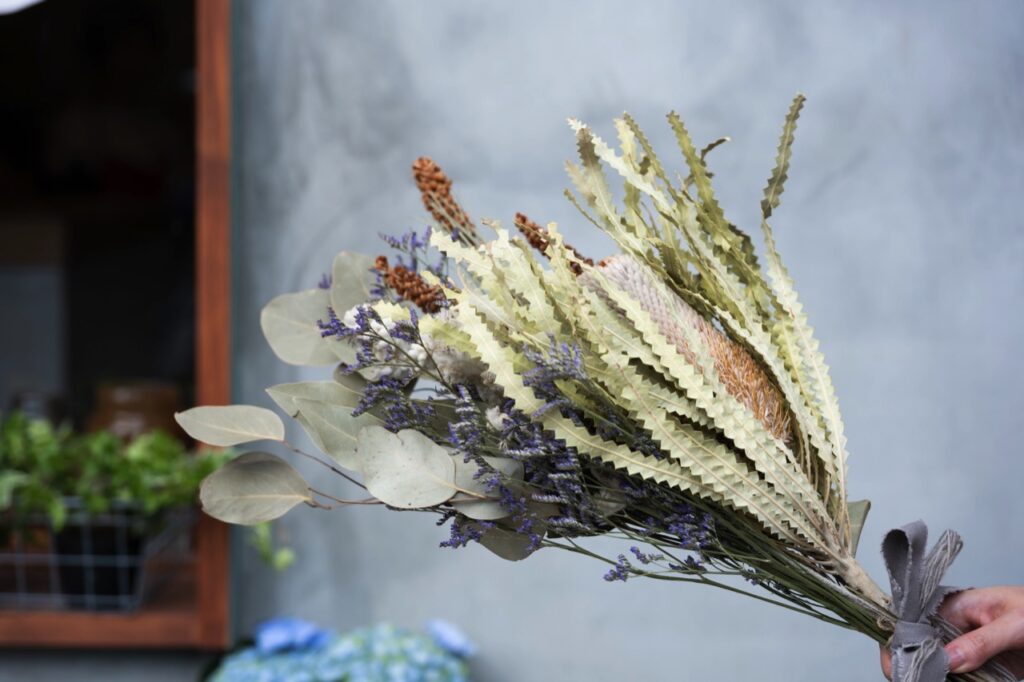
{"x": 902, "y": 224}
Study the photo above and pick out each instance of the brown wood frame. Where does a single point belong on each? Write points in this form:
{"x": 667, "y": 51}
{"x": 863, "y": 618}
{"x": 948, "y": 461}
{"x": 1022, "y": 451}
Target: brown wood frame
{"x": 213, "y": 287}
{"x": 194, "y": 613}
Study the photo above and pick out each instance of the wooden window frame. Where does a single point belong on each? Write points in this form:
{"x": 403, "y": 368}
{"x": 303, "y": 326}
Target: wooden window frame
{"x": 195, "y": 613}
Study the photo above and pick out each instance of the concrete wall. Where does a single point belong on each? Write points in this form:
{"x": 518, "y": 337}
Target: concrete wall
{"x": 901, "y": 224}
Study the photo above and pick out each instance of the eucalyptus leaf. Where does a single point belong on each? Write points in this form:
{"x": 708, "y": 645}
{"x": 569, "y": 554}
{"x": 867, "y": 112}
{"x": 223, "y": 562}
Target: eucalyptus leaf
{"x": 350, "y": 286}
{"x": 227, "y": 425}
{"x": 350, "y": 280}
{"x": 334, "y": 429}
{"x": 331, "y": 392}
{"x": 405, "y": 470}
{"x": 507, "y": 544}
{"x": 351, "y": 382}
{"x": 465, "y": 480}
{"x": 253, "y": 488}
{"x": 289, "y": 323}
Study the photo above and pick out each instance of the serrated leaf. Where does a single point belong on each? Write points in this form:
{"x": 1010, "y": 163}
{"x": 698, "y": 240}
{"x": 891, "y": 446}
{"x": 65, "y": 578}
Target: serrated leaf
{"x": 722, "y": 475}
{"x": 777, "y": 180}
{"x": 406, "y": 470}
{"x": 501, "y": 361}
{"x": 596, "y": 148}
{"x": 289, "y": 322}
{"x": 810, "y": 361}
{"x": 253, "y": 488}
{"x": 728, "y": 414}
{"x": 227, "y": 425}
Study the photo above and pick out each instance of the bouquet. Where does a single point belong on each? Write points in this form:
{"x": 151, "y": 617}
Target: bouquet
{"x": 671, "y": 395}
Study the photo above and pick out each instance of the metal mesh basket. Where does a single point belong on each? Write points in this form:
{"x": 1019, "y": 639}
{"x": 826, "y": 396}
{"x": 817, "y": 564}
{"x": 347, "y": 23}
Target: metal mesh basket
{"x": 97, "y": 562}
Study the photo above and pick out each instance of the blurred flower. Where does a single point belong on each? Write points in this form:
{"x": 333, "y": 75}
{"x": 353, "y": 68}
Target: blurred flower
{"x": 288, "y": 634}
{"x": 450, "y": 638}
{"x": 382, "y": 653}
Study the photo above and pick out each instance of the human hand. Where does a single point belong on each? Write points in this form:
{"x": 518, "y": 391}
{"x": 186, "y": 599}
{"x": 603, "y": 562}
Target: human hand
{"x": 992, "y": 619}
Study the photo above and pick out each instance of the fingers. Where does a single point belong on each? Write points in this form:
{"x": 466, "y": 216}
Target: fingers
{"x": 886, "y": 661}
{"x": 970, "y": 651}
{"x": 971, "y": 608}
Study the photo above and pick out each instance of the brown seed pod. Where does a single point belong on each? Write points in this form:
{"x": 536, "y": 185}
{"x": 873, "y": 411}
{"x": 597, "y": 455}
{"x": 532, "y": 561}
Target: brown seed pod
{"x": 538, "y": 238}
{"x": 410, "y": 286}
{"x": 436, "y": 190}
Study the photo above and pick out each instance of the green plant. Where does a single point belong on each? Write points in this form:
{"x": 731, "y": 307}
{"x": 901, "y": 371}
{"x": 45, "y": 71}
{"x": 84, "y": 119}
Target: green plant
{"x": 42, "y": 465}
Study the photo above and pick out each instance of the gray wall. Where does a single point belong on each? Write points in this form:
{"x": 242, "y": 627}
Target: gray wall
{"x": 901, "y": 224}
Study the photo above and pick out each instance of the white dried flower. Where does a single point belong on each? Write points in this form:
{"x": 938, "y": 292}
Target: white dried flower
{"x": 495, "y": 417}
{"x": 391, "y": 352}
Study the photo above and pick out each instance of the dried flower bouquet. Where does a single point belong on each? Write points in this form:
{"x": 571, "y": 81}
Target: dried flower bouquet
{"x": 672, "y": 395}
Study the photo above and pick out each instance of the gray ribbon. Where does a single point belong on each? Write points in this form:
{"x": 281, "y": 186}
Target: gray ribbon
{"x": 917, "y": 642}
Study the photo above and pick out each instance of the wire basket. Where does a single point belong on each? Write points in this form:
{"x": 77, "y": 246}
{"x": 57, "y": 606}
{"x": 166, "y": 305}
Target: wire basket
{"x": 112, "y": 561}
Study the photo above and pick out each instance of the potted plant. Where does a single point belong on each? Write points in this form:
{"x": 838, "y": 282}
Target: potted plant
{"x": 83, "y": 512}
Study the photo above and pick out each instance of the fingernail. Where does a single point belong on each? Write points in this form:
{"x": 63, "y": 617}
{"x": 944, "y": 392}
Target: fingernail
{"x": 956, "y": 659}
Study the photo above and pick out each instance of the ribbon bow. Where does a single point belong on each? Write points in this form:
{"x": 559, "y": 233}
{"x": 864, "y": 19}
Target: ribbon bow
{"x": 917, "y": 642}
{"x": 916, "y": 647}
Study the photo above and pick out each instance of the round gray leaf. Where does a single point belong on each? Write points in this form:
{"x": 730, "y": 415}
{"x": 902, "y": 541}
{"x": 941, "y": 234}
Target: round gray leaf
{"x": 290, "y": 324}
{"x": 252, "y": 488}
{"x": 405, "y": 470}
{"x": 227, "y": 425}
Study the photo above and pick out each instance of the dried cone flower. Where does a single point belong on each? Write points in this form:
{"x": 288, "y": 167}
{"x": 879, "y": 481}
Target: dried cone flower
{"x": 410, "y": 286}
{"x": 537, "y": 236}
{"x": 738, "y": 371}
{"x": 436, "y": 190}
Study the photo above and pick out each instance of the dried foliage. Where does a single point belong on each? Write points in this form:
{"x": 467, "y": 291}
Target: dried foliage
{"x": 409, "y": 285}
{"x": 538, "y": 238}
{"x": 436, "y": 191}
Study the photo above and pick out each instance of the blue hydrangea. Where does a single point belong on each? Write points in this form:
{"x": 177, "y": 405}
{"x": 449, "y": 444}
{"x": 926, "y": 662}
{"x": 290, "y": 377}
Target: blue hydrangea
{"x": 375, "y": 654}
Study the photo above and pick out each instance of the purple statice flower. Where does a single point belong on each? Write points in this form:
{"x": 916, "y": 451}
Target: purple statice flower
{"x": 645, "y": 558}
{"x": 621, "y": 570}
{"x": 383, "y": 347}
{"x": 690, "y": 565}
{"x": 551, "y": 468}
{"x": 325, "y": 281}
{"x": 462, "y": 532}
{"x": 694, "y": 531}
{"x": 413, "y": 252}
{"x": 466, "y": 434}
{"x": 378, "y": 288}
{"x": 332, "y": 326}
{"x": 561, "y": 362}
{"x": 388, "y": 399}
{"x": 361, "y": 324}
